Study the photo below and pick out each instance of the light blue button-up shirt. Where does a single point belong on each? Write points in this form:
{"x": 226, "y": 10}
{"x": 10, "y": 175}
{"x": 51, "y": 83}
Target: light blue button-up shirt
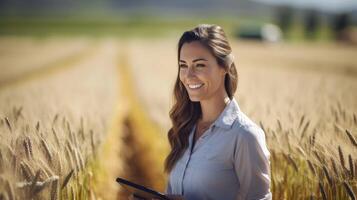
{"x": 230, "y": 161}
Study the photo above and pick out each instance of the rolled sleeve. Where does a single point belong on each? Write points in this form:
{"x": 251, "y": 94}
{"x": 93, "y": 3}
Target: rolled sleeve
{"x": 252, "y": 165}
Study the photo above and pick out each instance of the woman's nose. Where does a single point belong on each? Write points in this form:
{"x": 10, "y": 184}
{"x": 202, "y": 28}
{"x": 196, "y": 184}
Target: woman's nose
{"x": 190, "y": 72}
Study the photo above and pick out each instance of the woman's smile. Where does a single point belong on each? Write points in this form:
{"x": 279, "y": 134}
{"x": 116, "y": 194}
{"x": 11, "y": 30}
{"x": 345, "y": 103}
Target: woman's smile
{"x": 195, "y": 86}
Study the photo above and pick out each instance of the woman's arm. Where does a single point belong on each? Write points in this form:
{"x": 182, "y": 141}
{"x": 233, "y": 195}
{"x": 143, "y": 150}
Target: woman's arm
{"x": 252, "y": 165}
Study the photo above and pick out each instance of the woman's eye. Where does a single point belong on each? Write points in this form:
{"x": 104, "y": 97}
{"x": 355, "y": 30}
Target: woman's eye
{"x": 182, "y": 66}
{"x": 200, "y": 65}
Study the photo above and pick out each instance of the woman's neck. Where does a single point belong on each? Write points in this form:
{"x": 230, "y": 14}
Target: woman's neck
{"x": 213, "y": 107}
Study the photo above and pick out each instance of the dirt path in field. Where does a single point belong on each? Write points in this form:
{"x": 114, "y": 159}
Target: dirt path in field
{"x": 142, "y": 151}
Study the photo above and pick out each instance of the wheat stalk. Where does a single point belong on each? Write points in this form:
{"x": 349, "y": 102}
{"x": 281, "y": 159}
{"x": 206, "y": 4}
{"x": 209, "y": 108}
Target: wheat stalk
{"x": 304, "y": 130}
{"x": 47, "y": 151}
{"x": 43, "y": 170}
{"x": 55, "y": 118}
{"x": 66, "y": 180}
{"x": 291, "y": 161}
{"x": 301, "y": 121}
{"x": 56, "y": 138}
{"x": 9, "y": 190}
{"x": 54, "y": 189}
{"x": 28, "y": 147}
{"x": 7, "y": 121}
{"x": 301, "y": 151}
{"x": 26, "y": 171}
{"x": 69, "y": 157}
{"x": 38, "y": 126}
{"x": 312, "y": 168}
{"x": 334, "y": 166}
{"x": 34, "y": 181}
{"x": 60, "y": 165}
{"x": 2, "y": 165}
{"x": 280, "y": 127}
{"x": 92, "y": 141}
{"x": 14, "y": 163}
{"x": 75, "y": 140}
{"x": 349, "y": 190}
{"x": 77, "y": 161}
{"x": 18, "y": 113}
{"x": 323, "y": 192}
{"x": 46, "y": 167}
{"x": 350, "y": 161}
{"x": 81, "y": 161}
{"x": 352, "y": 139}
{"x": 342, "y": 159}
{"x": 262, "y": 126}
{"x": 322, "y": 161}
{"x": 328, "y": 177}
{"x": 81, "y": 131}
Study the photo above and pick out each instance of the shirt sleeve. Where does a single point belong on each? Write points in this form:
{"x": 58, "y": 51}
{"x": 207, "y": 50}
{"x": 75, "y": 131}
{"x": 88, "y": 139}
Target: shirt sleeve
{"x": 252, "y": 165}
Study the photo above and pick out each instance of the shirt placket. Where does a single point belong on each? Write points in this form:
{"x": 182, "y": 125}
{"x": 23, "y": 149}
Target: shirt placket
{"x": 190, "y": 151}
{"x": 202, "y": 139}
{"x": 187, "y": 157}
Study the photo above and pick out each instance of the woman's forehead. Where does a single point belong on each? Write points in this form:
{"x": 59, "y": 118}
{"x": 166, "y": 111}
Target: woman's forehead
{"x": 194, "y": 50}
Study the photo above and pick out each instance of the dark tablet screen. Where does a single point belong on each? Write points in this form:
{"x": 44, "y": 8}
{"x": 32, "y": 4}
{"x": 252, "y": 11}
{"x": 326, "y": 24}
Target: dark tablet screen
{"x": 140, "y": 191}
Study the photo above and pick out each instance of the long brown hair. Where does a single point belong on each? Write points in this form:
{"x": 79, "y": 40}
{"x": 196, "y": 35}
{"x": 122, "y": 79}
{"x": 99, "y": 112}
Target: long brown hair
{"x": 185, "y": 113}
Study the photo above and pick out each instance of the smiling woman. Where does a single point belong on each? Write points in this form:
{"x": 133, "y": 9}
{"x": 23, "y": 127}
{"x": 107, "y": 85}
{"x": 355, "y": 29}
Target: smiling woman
{"x": 199, "y": 72}
{"x": 217, "y": 152}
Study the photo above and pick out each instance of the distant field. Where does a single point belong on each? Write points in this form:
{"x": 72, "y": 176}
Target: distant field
{"x": 136, "y": 26}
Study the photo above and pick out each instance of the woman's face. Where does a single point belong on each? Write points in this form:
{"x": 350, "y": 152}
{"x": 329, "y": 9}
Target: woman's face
{"x": 199, "y": 72}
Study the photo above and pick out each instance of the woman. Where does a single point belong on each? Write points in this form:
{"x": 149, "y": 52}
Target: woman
{"x": 217, "y": 152}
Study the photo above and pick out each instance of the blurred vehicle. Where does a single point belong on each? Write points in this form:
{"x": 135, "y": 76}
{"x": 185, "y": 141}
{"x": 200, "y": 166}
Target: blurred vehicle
{"x": 266, "y": 32}
{"x": 338, "y": 12}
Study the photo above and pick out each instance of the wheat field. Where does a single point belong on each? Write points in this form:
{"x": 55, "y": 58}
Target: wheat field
{"x": 77, "y": 112}
{"x": 53, "y": 122}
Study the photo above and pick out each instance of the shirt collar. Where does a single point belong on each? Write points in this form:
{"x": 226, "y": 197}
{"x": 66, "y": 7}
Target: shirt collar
{"x": 228, "y": 115}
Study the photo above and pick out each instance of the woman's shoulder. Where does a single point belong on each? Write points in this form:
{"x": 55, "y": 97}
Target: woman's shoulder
{"x": 246, "y": 129}
{"x": 249, "y": 135}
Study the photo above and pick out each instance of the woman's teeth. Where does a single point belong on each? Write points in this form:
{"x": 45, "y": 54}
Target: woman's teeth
{"x": 195, "y": 86}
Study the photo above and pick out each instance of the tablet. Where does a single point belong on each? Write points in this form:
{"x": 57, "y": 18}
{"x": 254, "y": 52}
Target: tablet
{"x": 140, "y": 191}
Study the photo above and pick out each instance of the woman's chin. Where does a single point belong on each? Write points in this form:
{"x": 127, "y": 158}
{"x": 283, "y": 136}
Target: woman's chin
{"x": 195, "y": 98}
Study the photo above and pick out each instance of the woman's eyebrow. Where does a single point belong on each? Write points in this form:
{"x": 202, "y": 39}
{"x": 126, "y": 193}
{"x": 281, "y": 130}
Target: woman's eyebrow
{"x": 198, "y": 59}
